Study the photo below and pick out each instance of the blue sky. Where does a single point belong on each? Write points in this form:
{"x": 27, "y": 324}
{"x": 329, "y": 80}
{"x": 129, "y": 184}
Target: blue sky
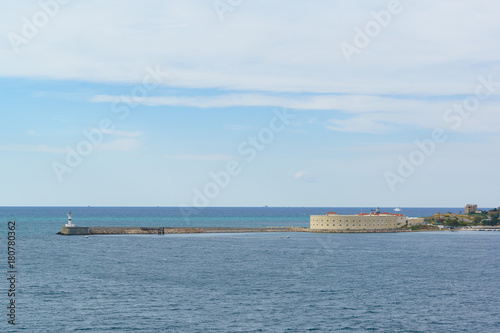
{"x": 190, "y": 89}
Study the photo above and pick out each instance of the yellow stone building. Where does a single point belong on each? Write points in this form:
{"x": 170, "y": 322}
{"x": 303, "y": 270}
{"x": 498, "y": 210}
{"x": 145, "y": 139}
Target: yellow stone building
{"x": 371, "y": 221}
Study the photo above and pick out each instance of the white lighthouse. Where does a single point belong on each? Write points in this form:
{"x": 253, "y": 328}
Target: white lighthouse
{"x": 69, "y": 224}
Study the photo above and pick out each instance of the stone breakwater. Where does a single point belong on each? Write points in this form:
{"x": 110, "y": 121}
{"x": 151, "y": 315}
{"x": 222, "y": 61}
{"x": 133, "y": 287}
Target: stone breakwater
{"x": 179, "y": 230}
{"x": 168, "y": 230}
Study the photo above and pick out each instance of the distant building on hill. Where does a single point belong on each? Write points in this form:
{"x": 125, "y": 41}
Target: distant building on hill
{"x": 367, "y": 221}
{"x": 470, "y": 209}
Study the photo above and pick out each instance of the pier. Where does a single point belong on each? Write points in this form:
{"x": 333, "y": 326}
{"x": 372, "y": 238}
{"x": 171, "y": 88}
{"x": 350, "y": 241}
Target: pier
{"x": 67, "y": 231}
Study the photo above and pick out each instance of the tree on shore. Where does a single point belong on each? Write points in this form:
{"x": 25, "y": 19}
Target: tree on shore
{"x": 492, "y": 221}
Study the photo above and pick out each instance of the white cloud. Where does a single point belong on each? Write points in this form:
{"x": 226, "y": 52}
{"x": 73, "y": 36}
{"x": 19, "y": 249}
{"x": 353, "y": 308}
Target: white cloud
{"x": 203, "y": 157}
{"x": 123, "y": 145}
{"x": 122, "y": 133}
{"x": 115, "y": 145}
{"x": 33, "y": 148}
{"x": 238, "y": 127}
{"x": 423, "y": 50}
{"x": 304, "y": 176}
{"x": 367, "y": 114}
{"x": 347, "y": 103}
{"x": 357, "y": 124}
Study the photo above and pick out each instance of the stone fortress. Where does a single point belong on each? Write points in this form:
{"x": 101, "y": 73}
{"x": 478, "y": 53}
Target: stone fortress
{"x": 364, "y": 221}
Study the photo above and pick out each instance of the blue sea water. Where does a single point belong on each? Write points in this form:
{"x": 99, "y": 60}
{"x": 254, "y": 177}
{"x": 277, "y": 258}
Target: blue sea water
{"x": 262, "y": 282}
{"x": 48, "y": 220}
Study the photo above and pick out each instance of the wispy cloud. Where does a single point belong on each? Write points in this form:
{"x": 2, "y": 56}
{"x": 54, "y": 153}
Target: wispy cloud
{"x": 203, "y": 157}
{"x": 33, "y": 148}
{"x": 366, "y": 113}
{"x": 123, "y": 145}
{"x": 115, "y": 145}
{"x": 357, "y": 125}
{"x": 347, "y": 103}
{"x": 283, "y": 53}
{"x": 238, "y": 127}
{"x": 123, "y": 133}
{"x": 304, "y": 176}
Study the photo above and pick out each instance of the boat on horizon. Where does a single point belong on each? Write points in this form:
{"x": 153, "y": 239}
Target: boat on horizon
{"x": 397, "y": 209}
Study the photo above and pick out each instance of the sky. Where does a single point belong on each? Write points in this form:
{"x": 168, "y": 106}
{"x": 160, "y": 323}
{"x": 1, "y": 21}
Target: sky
{"x": 250, "y": 103}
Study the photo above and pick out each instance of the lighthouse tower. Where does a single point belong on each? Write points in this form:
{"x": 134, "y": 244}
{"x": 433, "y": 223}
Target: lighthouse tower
{"x": 69, "y": 224}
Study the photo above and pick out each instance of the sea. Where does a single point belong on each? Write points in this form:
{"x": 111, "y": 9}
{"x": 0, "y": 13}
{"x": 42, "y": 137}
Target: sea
{"x": 444, "y": 281}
